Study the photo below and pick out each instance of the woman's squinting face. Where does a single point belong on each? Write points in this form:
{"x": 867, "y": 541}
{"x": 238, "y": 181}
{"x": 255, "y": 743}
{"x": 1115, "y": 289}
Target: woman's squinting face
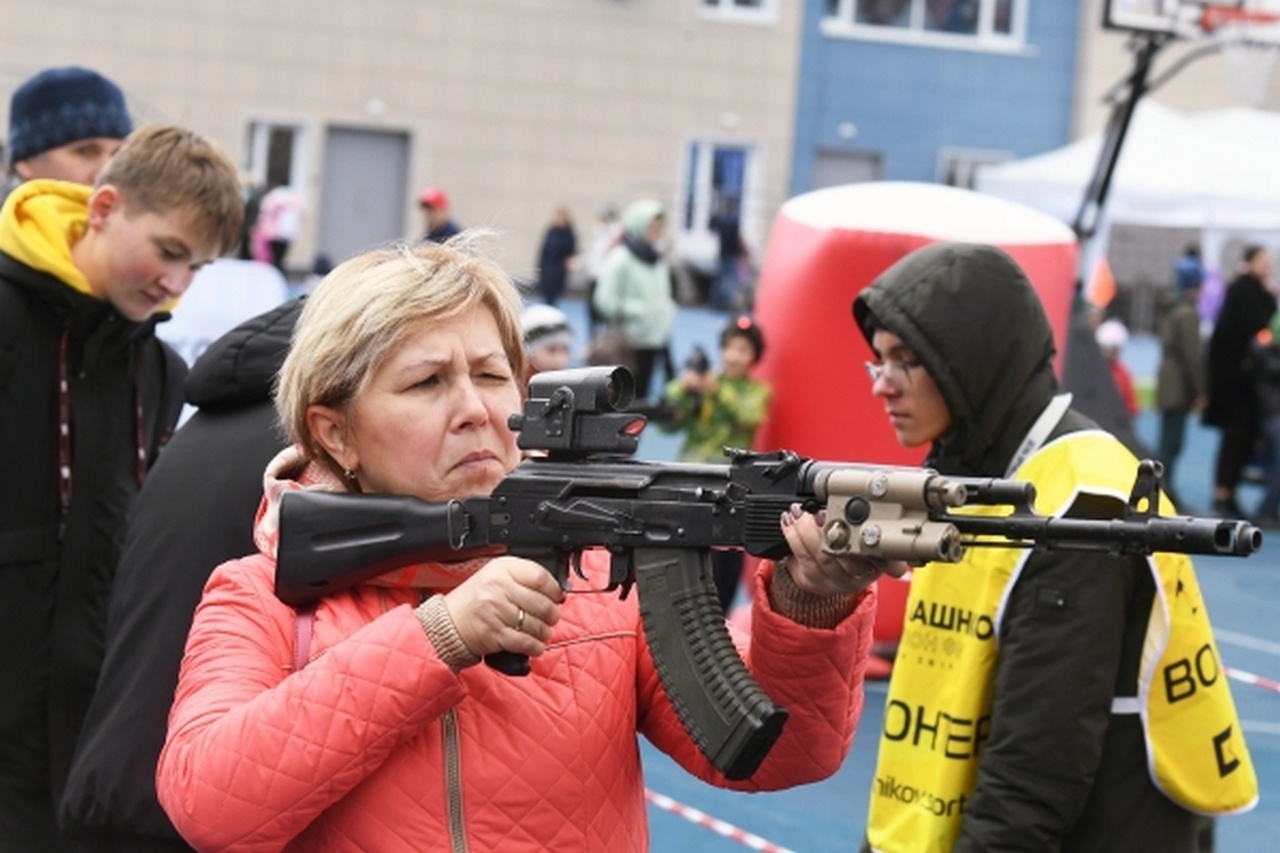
{"x": 432, "y": 421}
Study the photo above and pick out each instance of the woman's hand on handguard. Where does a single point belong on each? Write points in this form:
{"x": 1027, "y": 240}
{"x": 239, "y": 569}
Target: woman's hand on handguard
{"x": 509, "y": 605}
{"x": 819, "y": 573}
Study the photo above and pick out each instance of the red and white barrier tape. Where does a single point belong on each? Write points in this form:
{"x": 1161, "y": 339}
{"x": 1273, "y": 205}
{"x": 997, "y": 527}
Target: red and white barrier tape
{"x": 1250, "y": 678}
{"x": 716, "y": 825}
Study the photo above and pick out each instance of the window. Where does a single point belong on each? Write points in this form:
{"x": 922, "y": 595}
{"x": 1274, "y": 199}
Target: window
{"x": 833, "y": 167}
{"x": 740, "y": 10}
{"x": 275, "y": 153}
{"x": 713, "y": 171}
{"x": 958, "y": 167}
{"x": 959, "y": 23}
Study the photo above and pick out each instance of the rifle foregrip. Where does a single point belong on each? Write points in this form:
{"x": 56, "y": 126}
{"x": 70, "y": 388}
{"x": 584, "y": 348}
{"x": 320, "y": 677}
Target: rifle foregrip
{"x": 718, "y": 701}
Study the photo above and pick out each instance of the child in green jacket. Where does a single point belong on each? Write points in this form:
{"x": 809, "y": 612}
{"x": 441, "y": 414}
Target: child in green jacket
{"x": 719, "y": 410}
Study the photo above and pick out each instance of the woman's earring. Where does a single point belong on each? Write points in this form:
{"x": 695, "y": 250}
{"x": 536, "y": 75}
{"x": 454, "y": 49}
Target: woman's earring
{"x": 349, "y": 474}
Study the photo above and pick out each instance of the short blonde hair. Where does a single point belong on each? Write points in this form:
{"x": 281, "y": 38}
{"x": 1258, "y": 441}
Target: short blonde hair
{"x": 368, "y": 305}
{"x": 162, "y": 169}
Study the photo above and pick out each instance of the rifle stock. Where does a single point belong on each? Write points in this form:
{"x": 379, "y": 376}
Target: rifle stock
{"x": 328, "y": 543}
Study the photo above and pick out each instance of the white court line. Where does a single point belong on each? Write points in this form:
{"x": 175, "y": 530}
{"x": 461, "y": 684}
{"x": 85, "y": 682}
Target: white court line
{"x": 1260, "y": 727}
{"x": 1246, "y": 641}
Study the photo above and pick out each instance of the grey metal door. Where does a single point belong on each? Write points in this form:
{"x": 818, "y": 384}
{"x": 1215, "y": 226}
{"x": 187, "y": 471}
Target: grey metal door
{"x": 365, "y": 181}
{"x": 833, "y": 168}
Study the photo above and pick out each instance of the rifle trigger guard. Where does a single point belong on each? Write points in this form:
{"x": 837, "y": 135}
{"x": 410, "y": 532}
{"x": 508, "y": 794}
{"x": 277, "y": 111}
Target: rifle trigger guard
{"x": 622, "y": 571}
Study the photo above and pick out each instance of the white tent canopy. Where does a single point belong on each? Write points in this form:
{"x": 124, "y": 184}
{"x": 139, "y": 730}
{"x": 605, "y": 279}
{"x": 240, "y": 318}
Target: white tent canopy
{"x": 1216, "y": 170}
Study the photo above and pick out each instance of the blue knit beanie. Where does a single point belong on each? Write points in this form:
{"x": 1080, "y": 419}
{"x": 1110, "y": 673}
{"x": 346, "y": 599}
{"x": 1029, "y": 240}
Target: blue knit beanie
{"x": 63, "y": 105}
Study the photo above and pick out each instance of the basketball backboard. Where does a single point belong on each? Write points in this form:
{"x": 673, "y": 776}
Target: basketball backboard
{"x": 1175, "y": 17}
{"x": 1246, "y": 20}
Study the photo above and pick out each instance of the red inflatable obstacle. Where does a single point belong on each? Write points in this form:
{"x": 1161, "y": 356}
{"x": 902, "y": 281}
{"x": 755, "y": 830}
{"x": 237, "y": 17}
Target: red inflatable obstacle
{"x": 825, "y": 247}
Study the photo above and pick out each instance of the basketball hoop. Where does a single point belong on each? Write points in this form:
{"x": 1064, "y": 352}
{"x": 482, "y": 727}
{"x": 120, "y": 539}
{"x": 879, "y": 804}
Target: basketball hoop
{"x": 1248, "y": 36}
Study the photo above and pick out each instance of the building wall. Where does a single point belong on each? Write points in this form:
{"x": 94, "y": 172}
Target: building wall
{"x": 911, "y": 102}
{"x": 514, "y": 108}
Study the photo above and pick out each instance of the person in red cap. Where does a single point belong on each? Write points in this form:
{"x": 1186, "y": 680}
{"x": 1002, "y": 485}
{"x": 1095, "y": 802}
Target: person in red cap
{"x": 435, "y": 209}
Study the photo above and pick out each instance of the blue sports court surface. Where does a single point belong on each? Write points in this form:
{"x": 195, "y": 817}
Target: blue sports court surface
{"x": 1244, "y": 603}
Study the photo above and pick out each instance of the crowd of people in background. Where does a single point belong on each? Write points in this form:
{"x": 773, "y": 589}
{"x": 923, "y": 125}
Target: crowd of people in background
{"x": 153, "y": 681}
{"x": 1224, "y": 379}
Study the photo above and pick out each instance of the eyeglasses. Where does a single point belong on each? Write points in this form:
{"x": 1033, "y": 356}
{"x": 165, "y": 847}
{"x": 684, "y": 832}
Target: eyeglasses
{"x": 896, "y": 373}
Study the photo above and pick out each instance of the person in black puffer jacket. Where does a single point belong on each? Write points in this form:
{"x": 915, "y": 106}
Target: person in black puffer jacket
{"x": 110, "y": 800}
{"x": 1232, "y": 406}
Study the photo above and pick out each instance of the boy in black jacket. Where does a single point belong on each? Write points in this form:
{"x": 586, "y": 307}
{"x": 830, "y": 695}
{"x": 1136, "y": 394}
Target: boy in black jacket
{"x": 88, "y": 395}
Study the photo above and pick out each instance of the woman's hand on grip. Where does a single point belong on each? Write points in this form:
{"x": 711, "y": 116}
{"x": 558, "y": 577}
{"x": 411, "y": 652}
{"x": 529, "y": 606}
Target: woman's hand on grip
{"x": 509, "y": 605}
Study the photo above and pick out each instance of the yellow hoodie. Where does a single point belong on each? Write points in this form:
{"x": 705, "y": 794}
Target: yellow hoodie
{"x": 40, "y": 221}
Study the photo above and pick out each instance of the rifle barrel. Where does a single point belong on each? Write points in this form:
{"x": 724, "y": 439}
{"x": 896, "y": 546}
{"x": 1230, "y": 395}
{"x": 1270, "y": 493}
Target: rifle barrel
{"x": 1182, "y": 534}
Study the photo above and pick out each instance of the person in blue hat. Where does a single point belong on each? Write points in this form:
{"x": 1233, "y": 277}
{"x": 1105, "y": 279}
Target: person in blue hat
{"x": 64, "y": 123}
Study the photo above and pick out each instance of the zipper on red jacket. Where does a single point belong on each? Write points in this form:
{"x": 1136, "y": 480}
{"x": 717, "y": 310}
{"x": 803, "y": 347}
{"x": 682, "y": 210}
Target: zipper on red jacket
{"x": 453, "y": 781}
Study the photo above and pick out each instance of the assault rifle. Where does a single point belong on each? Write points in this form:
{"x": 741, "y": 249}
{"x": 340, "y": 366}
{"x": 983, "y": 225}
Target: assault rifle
{"x": 658, "y": 521}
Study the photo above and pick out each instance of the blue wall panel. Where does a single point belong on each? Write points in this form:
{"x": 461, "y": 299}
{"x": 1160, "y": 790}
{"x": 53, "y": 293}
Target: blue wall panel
{"x": 909, "y": 101}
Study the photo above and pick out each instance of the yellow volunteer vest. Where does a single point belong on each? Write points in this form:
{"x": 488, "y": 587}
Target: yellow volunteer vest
{"x": 937, "y": 712}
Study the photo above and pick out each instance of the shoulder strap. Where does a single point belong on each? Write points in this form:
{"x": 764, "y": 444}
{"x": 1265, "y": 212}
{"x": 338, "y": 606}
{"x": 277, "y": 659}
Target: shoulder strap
{"x": 303, "y": 630}
{"x": 170, "y": 378}
{"x": 1039, "y": 431}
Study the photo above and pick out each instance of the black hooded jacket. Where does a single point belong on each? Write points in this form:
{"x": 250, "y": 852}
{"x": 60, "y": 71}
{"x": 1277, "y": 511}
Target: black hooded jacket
{"x": 1246, "y": 309}
{"x": 195, "y": 512}
{"x": 1059, "y": 771}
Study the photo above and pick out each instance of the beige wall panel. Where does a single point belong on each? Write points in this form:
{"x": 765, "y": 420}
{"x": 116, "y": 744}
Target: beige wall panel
{"x": 512, "y": 107}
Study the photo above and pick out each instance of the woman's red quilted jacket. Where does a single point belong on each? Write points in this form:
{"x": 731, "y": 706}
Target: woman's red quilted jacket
{"x": 349, "y": 754}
